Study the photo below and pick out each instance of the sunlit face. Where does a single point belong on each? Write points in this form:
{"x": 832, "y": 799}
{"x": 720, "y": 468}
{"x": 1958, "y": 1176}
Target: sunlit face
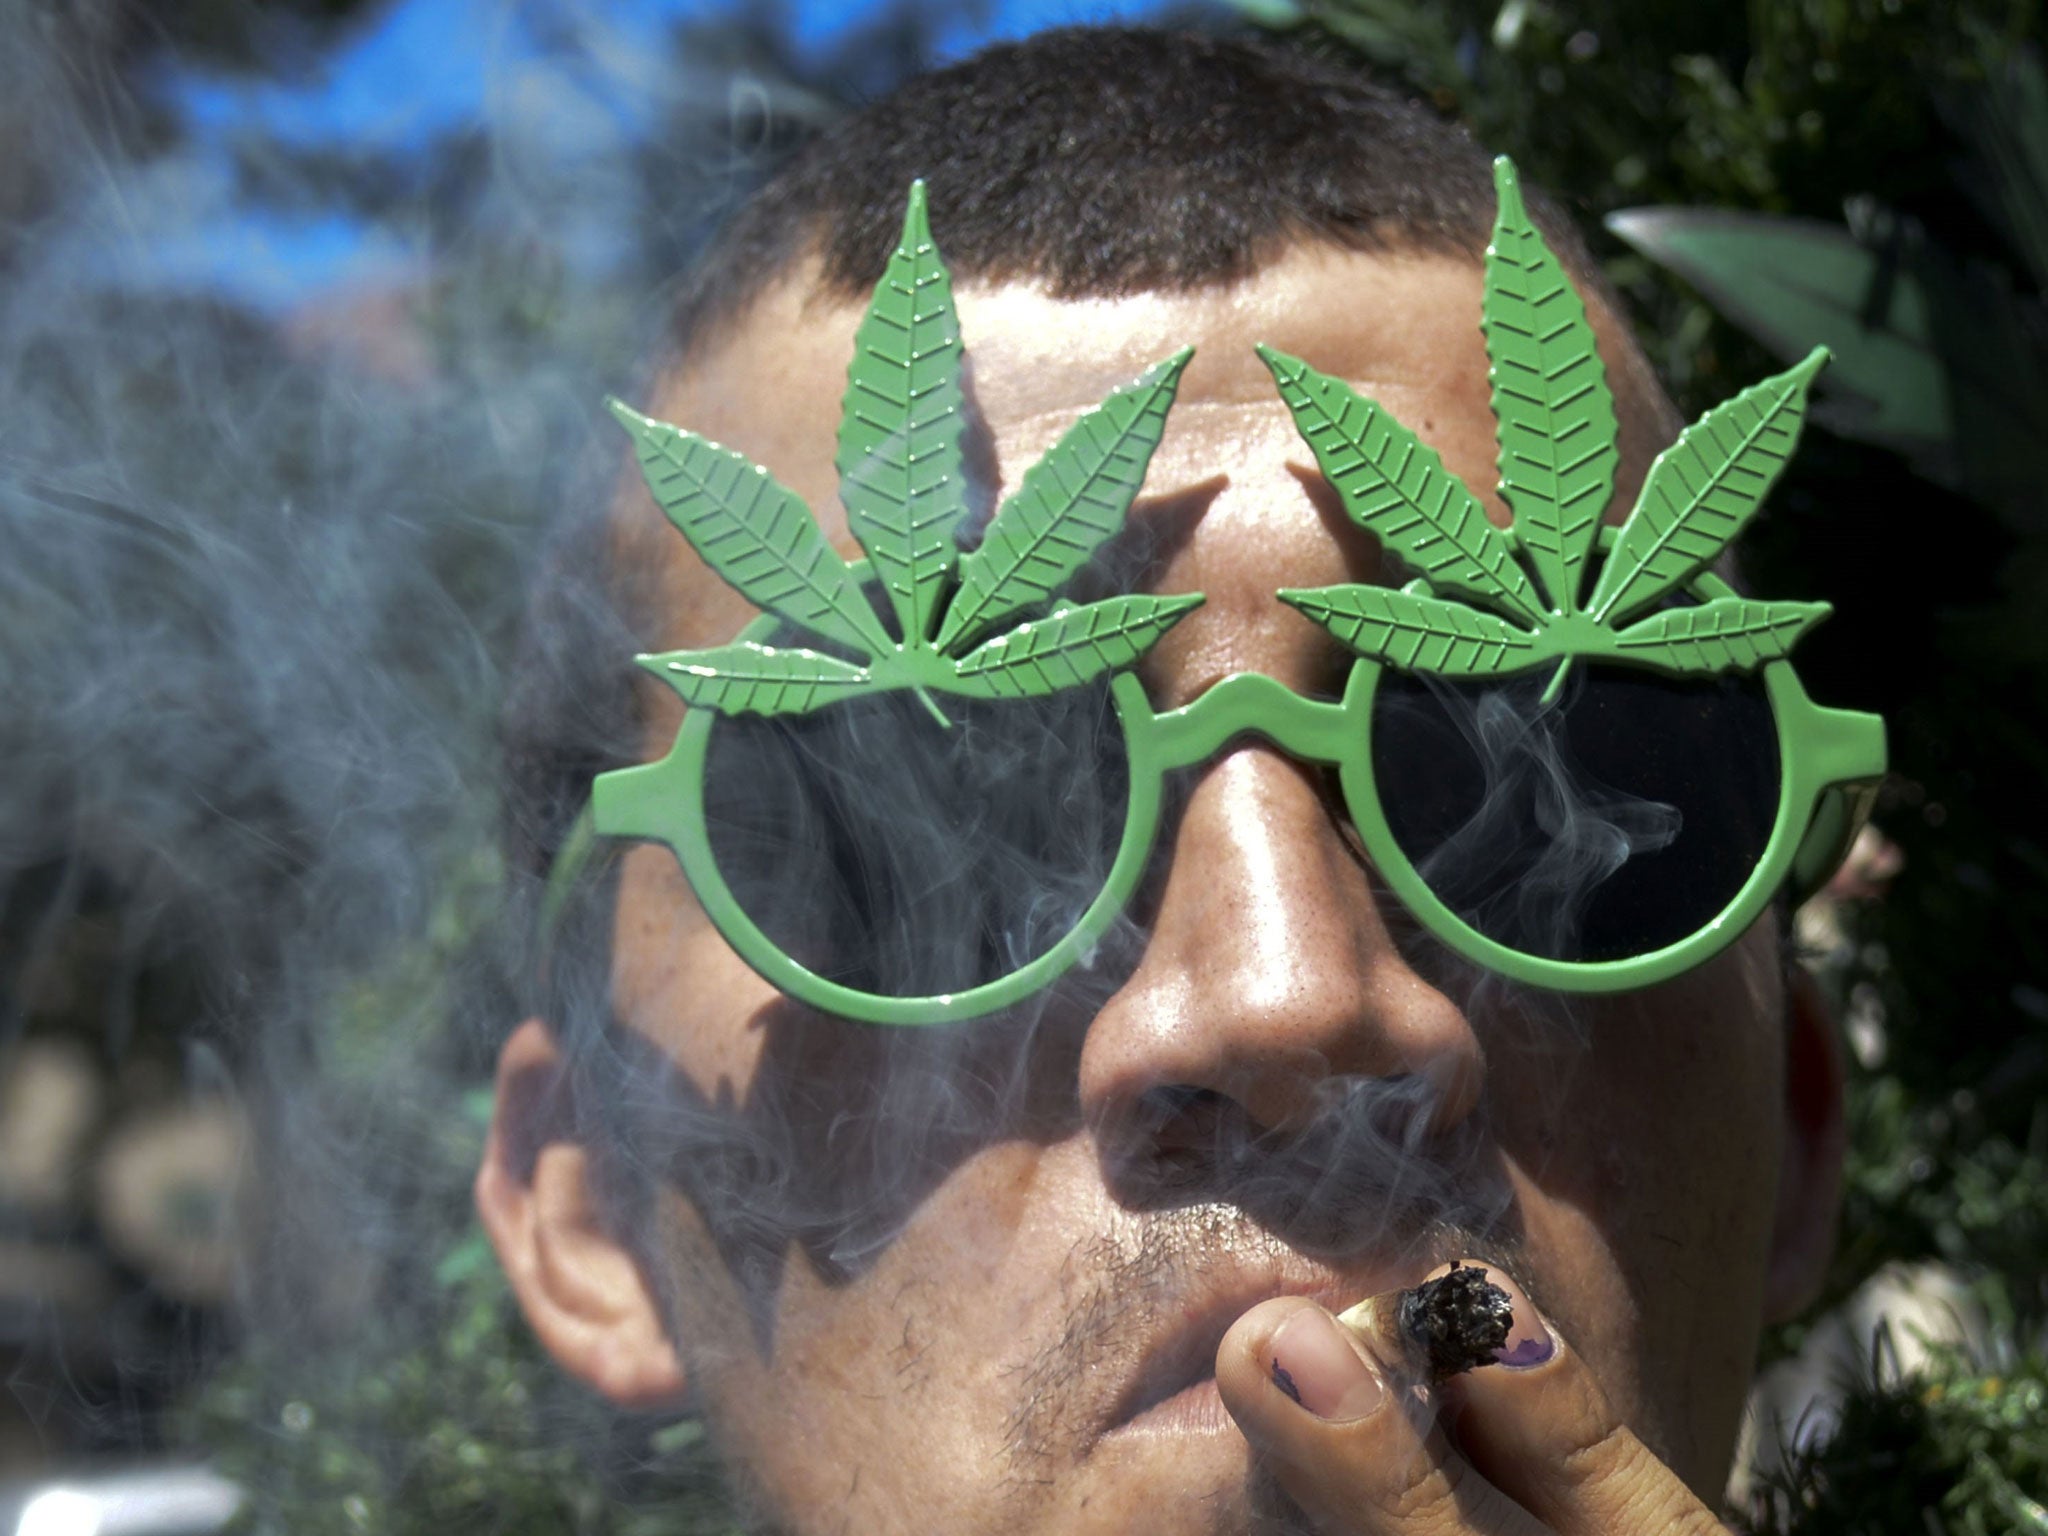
{"x": 973, "y": 1279}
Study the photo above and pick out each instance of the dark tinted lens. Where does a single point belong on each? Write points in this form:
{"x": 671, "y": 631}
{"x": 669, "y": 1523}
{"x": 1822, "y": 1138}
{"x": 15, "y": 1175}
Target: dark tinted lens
{"x": 900, "y": 858}
{"x": 1622, "y": 820}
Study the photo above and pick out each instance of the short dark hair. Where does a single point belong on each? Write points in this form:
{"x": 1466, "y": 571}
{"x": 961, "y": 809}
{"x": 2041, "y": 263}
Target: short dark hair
{"x": 1095, "y": 161}
{"x": 1102, "y": 161}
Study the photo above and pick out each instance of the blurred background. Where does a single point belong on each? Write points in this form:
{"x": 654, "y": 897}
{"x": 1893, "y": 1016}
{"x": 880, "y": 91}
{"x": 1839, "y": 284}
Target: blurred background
{"x": 305, "y": 310}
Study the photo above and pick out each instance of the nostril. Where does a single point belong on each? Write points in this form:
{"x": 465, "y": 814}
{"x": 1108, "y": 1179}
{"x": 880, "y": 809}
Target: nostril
{"x": 1159, "y": 1107}
{"x": 1362, "y": 1163}
{"x": 1181, "y": 1118}
{"x": 1173, "y": 1138}
{"x": 1193, "y": 1131}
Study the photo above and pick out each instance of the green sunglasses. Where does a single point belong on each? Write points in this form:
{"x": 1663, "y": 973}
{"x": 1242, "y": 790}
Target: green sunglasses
{"x": 936, "y": 820}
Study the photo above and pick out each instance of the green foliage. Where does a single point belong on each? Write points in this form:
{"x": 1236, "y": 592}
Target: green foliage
{"x": 410, "y": 1398}
{"x": 903, "y": 479}
{"x": 1792, "y": 283}
{"x": 1786, "y": 108}
{"x": 1945, "y": 355}
{"x": 449, "y": 1420}
{"x": 1964, "y": 1453}
{"x": 1931, "y": 1177}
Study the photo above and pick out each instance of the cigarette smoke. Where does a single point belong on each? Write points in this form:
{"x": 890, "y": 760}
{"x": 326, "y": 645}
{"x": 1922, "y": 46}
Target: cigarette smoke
{"x": 288, "y": 409}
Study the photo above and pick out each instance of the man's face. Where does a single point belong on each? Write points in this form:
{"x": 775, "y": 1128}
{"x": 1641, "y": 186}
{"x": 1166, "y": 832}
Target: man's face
{"x": 974, "y": 1278}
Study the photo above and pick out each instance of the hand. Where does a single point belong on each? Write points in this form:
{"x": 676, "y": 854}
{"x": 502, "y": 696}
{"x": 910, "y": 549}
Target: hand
{"x": 1538, "y": 1452}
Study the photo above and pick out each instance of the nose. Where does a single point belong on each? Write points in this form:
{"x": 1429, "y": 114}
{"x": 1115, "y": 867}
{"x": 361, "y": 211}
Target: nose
{"x": 1270, "y": 971}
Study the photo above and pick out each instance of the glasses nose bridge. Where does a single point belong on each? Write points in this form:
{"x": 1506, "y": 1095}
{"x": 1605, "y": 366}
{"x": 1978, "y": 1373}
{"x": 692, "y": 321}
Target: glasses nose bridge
{"x": 1253, "y": 704}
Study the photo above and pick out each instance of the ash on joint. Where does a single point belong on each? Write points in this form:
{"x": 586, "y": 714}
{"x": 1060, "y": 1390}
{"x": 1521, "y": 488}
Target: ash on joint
{"x": 1459, "y": 1320}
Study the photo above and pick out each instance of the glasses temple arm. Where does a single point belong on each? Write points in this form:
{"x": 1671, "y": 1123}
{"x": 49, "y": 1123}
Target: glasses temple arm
{"x": 1845, "y": 752}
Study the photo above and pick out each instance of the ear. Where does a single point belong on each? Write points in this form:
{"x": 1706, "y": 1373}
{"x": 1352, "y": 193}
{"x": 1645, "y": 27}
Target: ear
{"x": 1810, "y": 1177}
{"x": 579, "y": 1283}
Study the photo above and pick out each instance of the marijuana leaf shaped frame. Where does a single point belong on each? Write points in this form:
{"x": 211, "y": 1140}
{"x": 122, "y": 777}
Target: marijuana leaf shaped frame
{"x": 903, "y": 480}
{"x": 1487, "y": 602}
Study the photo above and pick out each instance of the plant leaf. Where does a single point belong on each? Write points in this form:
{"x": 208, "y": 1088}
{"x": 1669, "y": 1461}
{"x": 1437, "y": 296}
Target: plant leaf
{"x": 1702, "y": 490}
{"x": 2007, "y": 124}
{"x": 755, "y": 532}
{"x": 901, "y": 472}
{"x": 1418, "y": 633}
{"x": 1550, "y": 395}
{"x": 1726, "y": 634}
{"x": 1070, "y": 502}
{"x": 745, "y": 678}
{"x": 1791, "y": 282}
{"x": 1069, "y": 646}
{"x": 1396, "y": 487}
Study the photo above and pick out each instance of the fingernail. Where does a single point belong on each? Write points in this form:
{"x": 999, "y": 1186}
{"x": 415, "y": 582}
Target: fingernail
{"x": 1529, "y": 1341}
{"x": 1317, "y": 1366}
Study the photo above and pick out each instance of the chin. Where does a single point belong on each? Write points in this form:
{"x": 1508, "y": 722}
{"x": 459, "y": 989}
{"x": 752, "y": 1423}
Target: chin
{"x": 1180, "y": 1469}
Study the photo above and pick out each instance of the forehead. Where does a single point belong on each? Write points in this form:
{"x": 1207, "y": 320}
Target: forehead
{"x": 1401, "y": 327}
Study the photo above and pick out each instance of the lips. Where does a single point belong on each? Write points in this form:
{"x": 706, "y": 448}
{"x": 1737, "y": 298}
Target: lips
{"x": 1180, "y": 1351}
{"x": 1185, "y": 1356}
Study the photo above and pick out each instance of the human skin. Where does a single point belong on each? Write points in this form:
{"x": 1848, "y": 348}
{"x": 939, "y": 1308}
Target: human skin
{"x": 918, "y": 1280}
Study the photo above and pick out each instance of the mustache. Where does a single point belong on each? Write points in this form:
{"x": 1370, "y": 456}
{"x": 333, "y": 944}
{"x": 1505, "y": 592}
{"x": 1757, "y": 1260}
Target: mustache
{"x": 1359, "y": 1190}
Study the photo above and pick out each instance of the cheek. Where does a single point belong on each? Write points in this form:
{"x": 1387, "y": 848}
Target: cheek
{"x": 1646, "y": 1166}
{"x": 1666, "y": 1112}
{"x": 679, "y": 986}
{"x": 929, "y": 1342}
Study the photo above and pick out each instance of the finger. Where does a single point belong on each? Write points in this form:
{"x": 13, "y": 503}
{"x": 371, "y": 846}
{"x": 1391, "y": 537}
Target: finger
{"x": 1539, "y": 1428}
{"x": 1347, "y": 1438}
